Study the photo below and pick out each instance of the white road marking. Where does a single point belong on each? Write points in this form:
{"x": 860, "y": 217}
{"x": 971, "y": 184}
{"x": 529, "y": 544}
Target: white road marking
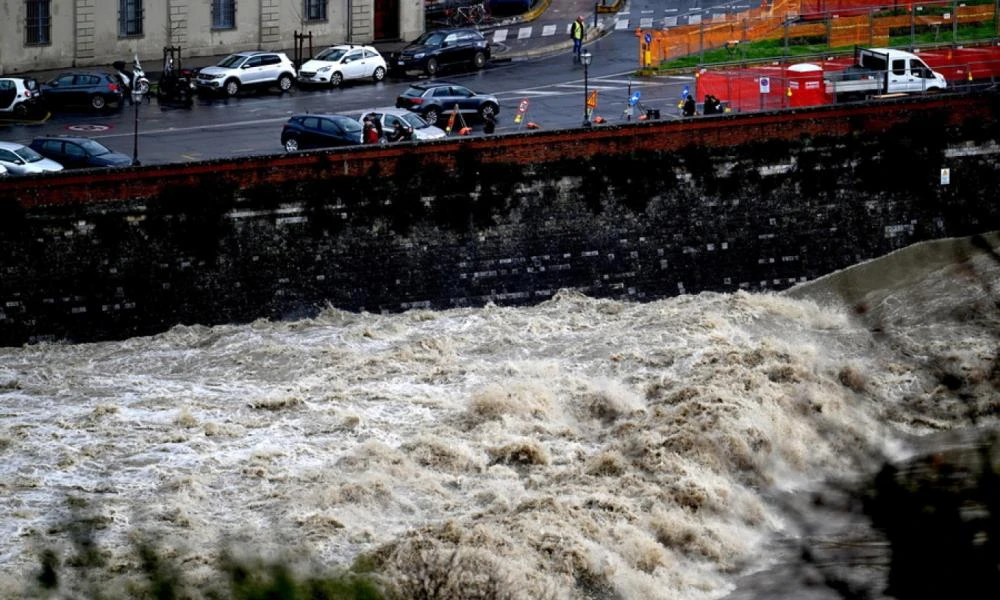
{"x": 499, "y": 35}
{"x": 524, "y": 33}
{"x": 548, "y": 30}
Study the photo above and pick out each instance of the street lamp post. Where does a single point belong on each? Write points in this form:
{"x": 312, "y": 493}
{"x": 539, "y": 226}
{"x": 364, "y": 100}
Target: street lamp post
{"x": 585, "y": 58}
{"x": 136, "y": 99}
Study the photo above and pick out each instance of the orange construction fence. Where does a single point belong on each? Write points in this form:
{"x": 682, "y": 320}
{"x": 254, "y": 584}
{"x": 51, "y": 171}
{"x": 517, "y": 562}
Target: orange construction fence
{"x": 785, "y": 19}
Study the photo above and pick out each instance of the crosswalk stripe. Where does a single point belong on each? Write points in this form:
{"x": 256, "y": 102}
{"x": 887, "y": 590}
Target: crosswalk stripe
{"x": 622, "y": 23}
{"x": 529, "y": 93}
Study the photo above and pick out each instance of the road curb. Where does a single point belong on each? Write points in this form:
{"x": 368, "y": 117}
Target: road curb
{"x": 604, "y": 27}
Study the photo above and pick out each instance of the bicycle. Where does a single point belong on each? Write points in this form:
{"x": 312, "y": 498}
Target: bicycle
{"x": 472, "y": 14}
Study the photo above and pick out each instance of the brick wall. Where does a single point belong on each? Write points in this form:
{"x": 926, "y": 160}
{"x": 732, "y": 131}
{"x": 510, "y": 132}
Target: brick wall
{"x": 638, "y": 211}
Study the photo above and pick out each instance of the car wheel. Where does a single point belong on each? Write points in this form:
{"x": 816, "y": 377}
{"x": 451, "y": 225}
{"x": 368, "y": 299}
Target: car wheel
{"x": 291, "y": 144}
{"x": 379, "y": 74}
{"x": 97, "y": 102}
{"x": 432, "y": 66}
{"x": 336, "y": 79}
{"x": 479, "y": 60}
{"x": 232, "y": 87}
{"x": 487, "y": 109}
{"x": 285, "y": 82}
{"x": 21, "y": 110}
{"x": 431, "y": 115}
{"x": 143, "y": 87}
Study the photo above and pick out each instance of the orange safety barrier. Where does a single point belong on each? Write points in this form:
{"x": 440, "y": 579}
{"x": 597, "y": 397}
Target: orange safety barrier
{"x": 858, "y": 23}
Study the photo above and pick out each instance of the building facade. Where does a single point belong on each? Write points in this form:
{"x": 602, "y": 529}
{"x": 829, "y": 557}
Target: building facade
{"x": 55, "y": 34}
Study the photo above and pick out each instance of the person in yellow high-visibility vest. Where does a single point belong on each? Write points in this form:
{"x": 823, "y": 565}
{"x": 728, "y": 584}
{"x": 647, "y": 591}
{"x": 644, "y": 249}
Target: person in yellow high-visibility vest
{"x": 576, "y": 32}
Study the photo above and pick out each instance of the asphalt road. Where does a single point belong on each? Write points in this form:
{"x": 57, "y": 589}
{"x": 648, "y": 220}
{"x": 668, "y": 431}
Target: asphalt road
{"x": 250, "y": 124}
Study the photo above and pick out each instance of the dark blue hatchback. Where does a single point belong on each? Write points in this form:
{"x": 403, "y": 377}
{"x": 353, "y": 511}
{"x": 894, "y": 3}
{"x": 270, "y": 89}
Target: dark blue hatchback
{"x": 78, "y": 152}
{"x": 320, "y": 131}
{"x": 94, "y": 90}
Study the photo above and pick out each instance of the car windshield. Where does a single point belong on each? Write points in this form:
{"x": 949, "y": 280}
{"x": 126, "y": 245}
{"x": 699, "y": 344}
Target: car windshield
{"x": 28, "y": 155}
{"x": 414, "y": 120}
{"x": 233, "y": 60}
{"x": 332, "y": 54}
{"x": 431, "y": 38}
{"x": 93, "y": 148}
{"x": 350, "y": 125}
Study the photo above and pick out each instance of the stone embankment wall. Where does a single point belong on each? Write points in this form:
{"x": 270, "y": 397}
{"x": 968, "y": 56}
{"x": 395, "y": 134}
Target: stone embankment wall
{"x": 638, "y": 211}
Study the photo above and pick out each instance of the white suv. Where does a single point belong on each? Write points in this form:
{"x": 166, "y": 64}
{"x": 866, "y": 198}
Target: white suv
{"x": 247, "y": 69}
{"x": 19, "y": 96}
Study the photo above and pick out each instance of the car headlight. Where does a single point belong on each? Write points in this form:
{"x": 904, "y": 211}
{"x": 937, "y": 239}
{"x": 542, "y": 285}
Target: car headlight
{"x": 324, "y": 69}
{"x": 418, "y": 56}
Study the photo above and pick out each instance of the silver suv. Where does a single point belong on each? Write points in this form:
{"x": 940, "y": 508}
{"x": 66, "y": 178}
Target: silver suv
{"x": 247, "y": 69}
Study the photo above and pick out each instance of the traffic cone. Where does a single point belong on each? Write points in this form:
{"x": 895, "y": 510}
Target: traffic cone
{"x": 465, "y": 131}
{"x": 533, "y": 125}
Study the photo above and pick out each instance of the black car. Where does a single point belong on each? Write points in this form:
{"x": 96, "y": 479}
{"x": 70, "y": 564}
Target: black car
{"x": 320, "y": 131}
{"x": 96, "y": 90}
{"x": 442, "y": 48}
{"x": 78, "y": 152}
{"x": 434, "y": 100}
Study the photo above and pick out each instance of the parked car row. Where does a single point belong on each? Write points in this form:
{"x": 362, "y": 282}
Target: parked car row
{"x": 332, "y": 66}
{"x": 416, "y": 116}
{"x": 100, "y": 89}
{"x": 52, "y": 153}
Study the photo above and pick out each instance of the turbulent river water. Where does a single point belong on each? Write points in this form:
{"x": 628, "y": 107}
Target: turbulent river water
{"x": 580, "y": 448}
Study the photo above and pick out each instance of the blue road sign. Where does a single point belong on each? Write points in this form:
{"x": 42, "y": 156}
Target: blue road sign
{"x": 633, "y": 99}
{"x": 648, "y": 37}
{"x": 685, "y": 92}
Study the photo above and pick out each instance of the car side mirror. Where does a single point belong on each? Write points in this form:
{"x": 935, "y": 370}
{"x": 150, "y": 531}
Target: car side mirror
{"x": 18, "y": 161}
{"x": 54, "y": 84}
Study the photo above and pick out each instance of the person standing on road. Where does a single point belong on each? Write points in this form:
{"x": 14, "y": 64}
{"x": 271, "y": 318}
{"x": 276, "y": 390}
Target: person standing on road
{"x": 370, "y": 133}
{"x": 576, "y": 32}
{"x": 690, "y": 107}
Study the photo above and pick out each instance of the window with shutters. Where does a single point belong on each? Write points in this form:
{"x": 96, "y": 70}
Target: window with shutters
{"x": 315, "y": 10}
{"x": 37, "y": 23}
{"x": 223, "y": 14}
{"x": 129, "y": 18}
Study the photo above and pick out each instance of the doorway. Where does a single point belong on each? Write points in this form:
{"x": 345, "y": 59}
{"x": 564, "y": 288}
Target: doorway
{"x": 386, "y": 20}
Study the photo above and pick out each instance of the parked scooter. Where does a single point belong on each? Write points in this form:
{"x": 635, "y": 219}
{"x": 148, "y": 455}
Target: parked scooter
{"x": 135, "y": 80}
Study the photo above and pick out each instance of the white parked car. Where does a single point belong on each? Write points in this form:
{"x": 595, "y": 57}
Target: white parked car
{"x": 388, "y": 116}
{"x": 337, "y": 64}
{"x": 19, "y": 96}
{"x": 19, "y": 159}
